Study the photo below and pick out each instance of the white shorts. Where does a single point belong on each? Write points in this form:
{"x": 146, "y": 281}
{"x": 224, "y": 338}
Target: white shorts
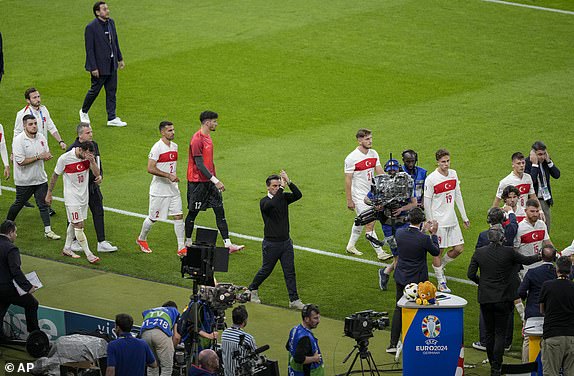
{"x": 360, "y": 206}
{"x": 77, "y": 214}
{"x": 160, "y": 207}
{"x": 449, "y": 236}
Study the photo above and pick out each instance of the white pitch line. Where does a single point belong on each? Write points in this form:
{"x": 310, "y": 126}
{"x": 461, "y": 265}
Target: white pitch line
{"x": 258, "y": 239}
{"x": 530, "y": 6}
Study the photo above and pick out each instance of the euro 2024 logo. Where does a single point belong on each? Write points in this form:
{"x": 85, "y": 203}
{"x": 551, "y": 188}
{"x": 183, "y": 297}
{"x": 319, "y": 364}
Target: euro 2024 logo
{"x": 431, "y": 326}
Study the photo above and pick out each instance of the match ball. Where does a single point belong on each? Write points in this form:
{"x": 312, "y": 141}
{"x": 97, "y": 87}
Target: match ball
{"x": 411, "y": 292}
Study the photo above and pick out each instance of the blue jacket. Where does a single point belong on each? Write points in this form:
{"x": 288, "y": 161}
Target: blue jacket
{"x": 102, "y": 48}
{"x": 510, "y": 230}
{"x": 412, "y": 247}
{"x": 535, "y": 172}
{"x": 532, "y": 285}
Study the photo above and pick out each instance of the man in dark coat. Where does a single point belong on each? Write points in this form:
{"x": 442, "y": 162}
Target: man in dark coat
{"x": 497, "y": 289}
{"x": 103, "y": 58}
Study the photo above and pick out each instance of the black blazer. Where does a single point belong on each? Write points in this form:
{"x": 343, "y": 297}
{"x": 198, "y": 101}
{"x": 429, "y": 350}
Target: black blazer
{"x": 10, "y": 266}
{"x": 532, "y": 285}
{"x": 99, "y": 48}
{"x": 498, "y": 280}
{"x": 412, "y": 247}
{"x": 535, "y": 172}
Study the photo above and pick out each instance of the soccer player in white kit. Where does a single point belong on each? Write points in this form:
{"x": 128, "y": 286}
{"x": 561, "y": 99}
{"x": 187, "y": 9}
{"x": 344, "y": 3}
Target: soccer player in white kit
{"x": 442, "y": 191}
{"x": 361, "y": 165}
{"x": 521, "y": 181}
{"x": 164, "y": 195}
{"x": 75, "y": 165}
{"x": 4, "y": 154}
{"x": 532, "y": 234}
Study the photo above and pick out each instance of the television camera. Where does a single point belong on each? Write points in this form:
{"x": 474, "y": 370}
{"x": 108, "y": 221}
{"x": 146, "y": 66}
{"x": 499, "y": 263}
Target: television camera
{"x": 250, "y": 362}
{"x": 361, "y": 325}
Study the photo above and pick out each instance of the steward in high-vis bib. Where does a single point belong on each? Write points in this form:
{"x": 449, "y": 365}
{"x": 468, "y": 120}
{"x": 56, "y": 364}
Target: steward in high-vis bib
{"x": 304, "y": 354}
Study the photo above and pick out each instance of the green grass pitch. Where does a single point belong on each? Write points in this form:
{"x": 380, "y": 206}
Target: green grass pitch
{"x": 292, "y": 82}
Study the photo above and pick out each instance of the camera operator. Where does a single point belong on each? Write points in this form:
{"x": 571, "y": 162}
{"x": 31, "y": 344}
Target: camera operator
{"x": 412, "y": 248}
{"x": 396, "y": 219}
{"x": 235, "y": 342}
{"x": 208, "y": 364}
{"x": 304, "y": 354}
{"x": 205, "y": 323}
{"x": 159, "y": 330}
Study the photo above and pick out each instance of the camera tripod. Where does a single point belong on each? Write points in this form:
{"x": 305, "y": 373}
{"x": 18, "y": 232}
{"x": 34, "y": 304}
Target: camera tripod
{"x": 363, "y": 353}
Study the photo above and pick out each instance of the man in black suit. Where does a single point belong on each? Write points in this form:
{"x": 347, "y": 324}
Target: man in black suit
{"x": 412, "y": 248}
{"x": 497, "y": 289}
{"x": 103, "y": 58}
{"x": 531, "y": 286}
{"x": 541, "y": 168}
{"x": 9, "y": 272}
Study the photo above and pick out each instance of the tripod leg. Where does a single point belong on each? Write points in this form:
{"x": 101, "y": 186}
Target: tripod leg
{"x": 373, "y": 365}
{"x": 352, "y": 365}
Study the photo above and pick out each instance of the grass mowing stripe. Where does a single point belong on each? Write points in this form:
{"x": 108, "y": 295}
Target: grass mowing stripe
{"x": 530, "y": 6}
{"x": 258, "y": 239}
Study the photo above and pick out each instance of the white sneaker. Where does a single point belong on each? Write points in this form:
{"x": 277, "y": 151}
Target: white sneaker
{"x": 117, "y": 122}
{"x": 52, "y": 235}
{"x": 382, "y": 255}
{"x": 84, "y": 117}
{"x": 76, "y": 247}
{"x": 442, "y": 287}
{"x": 255, "y": 297}
{"x": 296, "y": 304}
{"x": 105, "y": 246}
{"x": 353, "y": 250}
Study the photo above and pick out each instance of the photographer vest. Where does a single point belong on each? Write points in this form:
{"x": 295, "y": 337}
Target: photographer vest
{"x": 296, "y": 369}
{"x": 163, "y": 318}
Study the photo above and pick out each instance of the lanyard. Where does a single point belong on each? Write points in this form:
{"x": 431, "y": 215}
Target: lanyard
{"x": 41, "y": 116}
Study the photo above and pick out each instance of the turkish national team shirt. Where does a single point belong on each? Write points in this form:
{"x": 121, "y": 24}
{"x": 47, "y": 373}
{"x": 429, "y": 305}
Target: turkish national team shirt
{"x": 166, "y": 161}
{"x": 24, "y": 147}
{"x": 524, "y": 186}
{"x": 529, "y": 239}
{"x": 442, "y": 192}
{"x": 43, "y": 118}
{"x": 362, "y": 166}
{"x": 3, "y": 149}
{"x": 200, "y": 145}
{"x": 76, "y": 174}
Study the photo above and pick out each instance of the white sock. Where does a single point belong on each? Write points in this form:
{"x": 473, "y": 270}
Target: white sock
{"x": 375, "y": 247}
{"x": 179, "y": 228}
{"x": 227, "y": 242}
{"x": 356, "y": 232}
{"x": 146, "y": 227}
{"x": 47, "y": 228}
{"x": 83, "y": 242}
{"x": 70, "y": 234}
{"x": 446, "y": 259}
{"x": 439, "y": 273}
{"x": 188, "y": 241}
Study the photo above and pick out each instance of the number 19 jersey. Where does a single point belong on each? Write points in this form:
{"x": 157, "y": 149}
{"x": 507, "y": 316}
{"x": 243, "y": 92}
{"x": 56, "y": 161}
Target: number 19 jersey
{"x": 444, "y": 191}
{"x": 166, "y": 161}
{"x": 76, "y": 174}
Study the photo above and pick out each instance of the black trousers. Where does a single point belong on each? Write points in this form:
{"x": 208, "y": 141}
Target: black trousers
{"x": 397, "y": 323}
{"x": 509, "y": 330}
{"x": 110, "y": 83}
{"x": 496, "y": 317}
{"x": 273, "y": 252}
{"x": 96, "y": 206}
{"x": 23, "y": 194}
{"x": 9, "y": 295}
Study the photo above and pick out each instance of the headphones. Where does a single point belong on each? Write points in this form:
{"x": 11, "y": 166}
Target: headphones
{"x": 410, "y": 151}
{"x": 308, "y": 309}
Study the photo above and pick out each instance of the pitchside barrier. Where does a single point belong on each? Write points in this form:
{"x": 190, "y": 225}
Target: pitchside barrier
{"x": 56, "y": 323}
